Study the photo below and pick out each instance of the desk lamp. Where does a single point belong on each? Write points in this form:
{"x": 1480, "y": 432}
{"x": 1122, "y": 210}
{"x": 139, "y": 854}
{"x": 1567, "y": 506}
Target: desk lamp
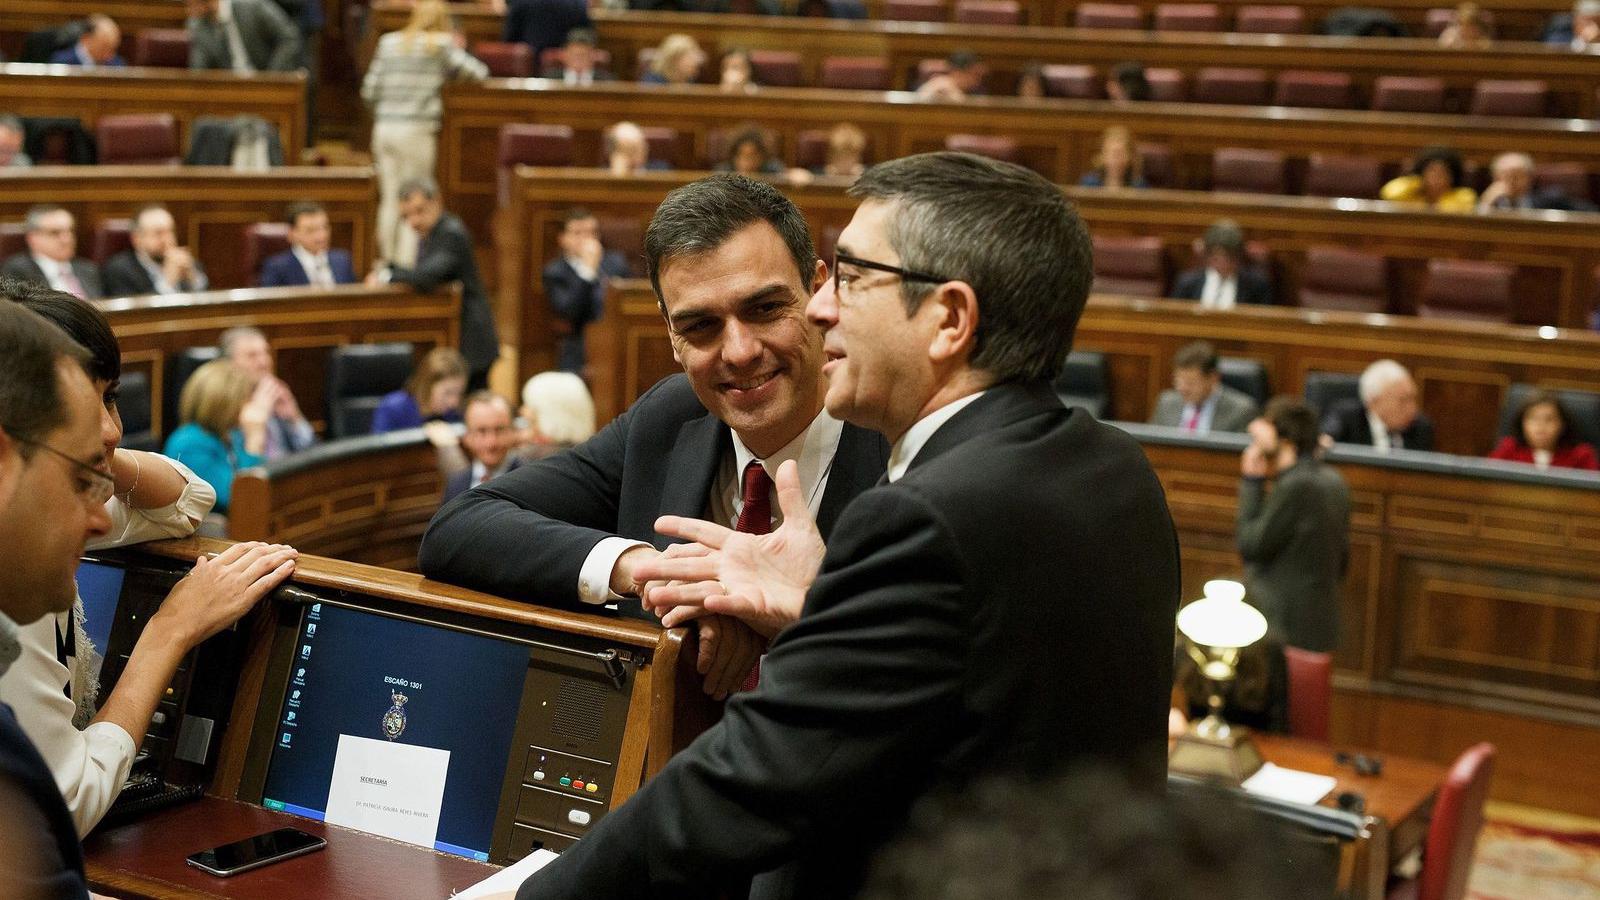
{"x": 1215, "y": 629}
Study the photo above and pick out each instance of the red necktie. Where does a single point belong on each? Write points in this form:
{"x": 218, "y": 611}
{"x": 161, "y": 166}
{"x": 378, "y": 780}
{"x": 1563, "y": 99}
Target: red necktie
{"x": 755, "y": 517}
{"x": 1192, "y": 420}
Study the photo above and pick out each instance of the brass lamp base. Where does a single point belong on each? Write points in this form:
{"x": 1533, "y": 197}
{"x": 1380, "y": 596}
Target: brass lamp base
{"x": 1211, "y": 748}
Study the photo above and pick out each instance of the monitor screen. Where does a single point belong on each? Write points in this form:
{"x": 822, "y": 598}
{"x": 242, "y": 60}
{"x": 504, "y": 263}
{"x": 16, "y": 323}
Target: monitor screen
{"x": 396, "y": 727}
{"x": 100, "y": 586}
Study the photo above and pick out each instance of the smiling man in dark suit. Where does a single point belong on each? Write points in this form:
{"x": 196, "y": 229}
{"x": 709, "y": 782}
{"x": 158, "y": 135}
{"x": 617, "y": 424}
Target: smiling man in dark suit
{"x": 1001, "y": 605}
{"x": 309, "y": 260}
{"x": 733, "y": 265}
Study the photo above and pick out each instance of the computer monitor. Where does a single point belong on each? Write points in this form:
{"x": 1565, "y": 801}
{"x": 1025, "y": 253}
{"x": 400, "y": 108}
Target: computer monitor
{"x": 100, "y": 587}
{"x": 378, "y": 710}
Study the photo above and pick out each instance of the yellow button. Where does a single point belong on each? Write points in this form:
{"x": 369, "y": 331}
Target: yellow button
{"x": 591, "y": 787}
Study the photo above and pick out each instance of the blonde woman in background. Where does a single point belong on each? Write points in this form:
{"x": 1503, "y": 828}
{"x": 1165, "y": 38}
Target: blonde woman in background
{"x": 678, "y": 60}
{"x": 224, "y": 426}
{"x": 402, "y": 88}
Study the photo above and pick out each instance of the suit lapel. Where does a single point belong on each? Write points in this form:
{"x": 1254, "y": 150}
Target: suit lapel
{"x": 692, "y": 465}
{"x": 858, "y": 464}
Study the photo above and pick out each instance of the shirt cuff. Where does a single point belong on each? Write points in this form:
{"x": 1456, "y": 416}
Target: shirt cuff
{"x": 594, "y": 579}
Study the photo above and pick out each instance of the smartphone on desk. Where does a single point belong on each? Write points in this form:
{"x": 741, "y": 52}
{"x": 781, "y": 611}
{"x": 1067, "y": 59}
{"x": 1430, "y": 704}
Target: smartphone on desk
{"x": 255, "y": 852}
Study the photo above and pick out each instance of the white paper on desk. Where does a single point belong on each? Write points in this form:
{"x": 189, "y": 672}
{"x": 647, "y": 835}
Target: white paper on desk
{"x": 1291, "y": 785}
{"x": 386, "y": 788}
{"x": 506, "y": 881}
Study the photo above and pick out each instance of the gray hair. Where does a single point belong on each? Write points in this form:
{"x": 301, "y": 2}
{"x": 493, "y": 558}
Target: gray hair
{"x": 1379, "y": 377}
{"x": 1586, "y": 8}
{"x": 1004, "y": 230}
{"x": 423, "y": 185}
{"x": 560, "y": 406}
{"x": 1512, "y": 160}
{"x": 10, "y": 122}
{"x": 33, "y": 220}
{"x": 236, "y": 334}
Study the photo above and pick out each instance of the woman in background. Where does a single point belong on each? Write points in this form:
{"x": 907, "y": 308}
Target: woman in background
{"x": 678, "y": 60}
{"x": 224, "y": 426}
{"x": 1437, "y": 180}
{"x": 433, "y": 392}
{"x": 1117, "y": 165}
{"x": 1543, "y": 436}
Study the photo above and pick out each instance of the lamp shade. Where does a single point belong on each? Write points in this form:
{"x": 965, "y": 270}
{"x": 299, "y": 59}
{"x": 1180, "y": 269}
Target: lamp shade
{"x": 1222, "y": 619}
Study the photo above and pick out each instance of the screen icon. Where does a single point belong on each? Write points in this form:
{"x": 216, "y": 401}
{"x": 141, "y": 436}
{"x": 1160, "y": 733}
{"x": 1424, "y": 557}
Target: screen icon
{"x": 296, "y": 694}
{"x": 300, "y": 673}
{"x": 316, "y": 609}
{"x": 286, "y": 737}
{"x": 289, "y": 717}
{"x": 305, "y": 652}
{"x": 311, "y": 629}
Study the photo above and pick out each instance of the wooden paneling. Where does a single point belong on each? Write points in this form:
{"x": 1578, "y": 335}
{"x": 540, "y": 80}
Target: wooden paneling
{"x": 212, "y": 206}
{"x": 302, "y": 324}
{"x": 277, "y": 97}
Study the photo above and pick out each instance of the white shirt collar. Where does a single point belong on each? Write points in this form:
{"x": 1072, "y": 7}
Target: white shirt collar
{"x": 812, "y": 449}
{"x": 1380, "y": 432}
{"x": 309, "y": 261}
{"x": 910, "y": 444}
{"x": 52, "y": 270}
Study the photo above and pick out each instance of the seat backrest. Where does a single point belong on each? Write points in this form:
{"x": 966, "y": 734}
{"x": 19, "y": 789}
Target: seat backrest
{"x": 179, "y": 367}
{"x": 1085, "y": 381}
{"x": 1406, "y": 93}
{"x": 989, "y": 12}
{"x": 1340, "y": 175}
{"x": 13, "y": 239}
{"x": 775, "y": 68}
{"x": 138, "y": 139}
{"x": 1125, "y": 264}
{"x": 505, "y": 60}
{"x": 522, "y": 144}
{"x": 993, "y": 146}
{"x": 261, "y": 241}
{"x": 1226, "y": 84}
{"x": 164, "y": 47}
{"x": 133, "y": 404}
{"x": 1457, "y": 819}
{"x": 1246, "y": 375}
{"x": 1570, "y": 178}
{"x": 358, "y": 377}
{"x": 1188, "y": 17}
{"x": 1317, "y": 90}
{"x": 1324, "y": 389}
{"x": 1249, "y": 170}
{"x": 1472, "y": 289}
{"x": 625, "y": 236}
{"x": 1581, "y": 409}
{"x": 811, "y": 148}
{"x": 1156, "y": 162}
{"x": 1509, "y": 97}
{"x": 1310, "y": 692}
{"x": 669, "y": 145}
{"x": 1339, "y": 278}
{"x": 1270, "y": 19}
{"x": 1108, "y": 15}
{"x": 1168, "y": 85}
{"x": 916, "y": 11}
{"x": 111, "y": 236}
{"x": 1077, "y": 82}
{"x": 859, "y": 73}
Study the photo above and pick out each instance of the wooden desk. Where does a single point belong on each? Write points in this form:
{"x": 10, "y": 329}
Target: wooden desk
{"x": 41, "y": 90}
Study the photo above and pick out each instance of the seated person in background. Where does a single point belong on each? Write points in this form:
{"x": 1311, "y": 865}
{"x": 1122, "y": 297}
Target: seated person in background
{"x": 287, "y": 428}
{"x": 847, "y": 147}
{"x": 738, "y": 72}
{"x": 52, "y": 258}
{"x": 1579, "y": 29}
{"x": 266, "y": 34}
{"x": 748, "y": 154}
{"x": 1225, "y": 280}
{"x": 1386, "y": 416}
{"x": 224, "y": 426}
{"x": 97, "y": 47}
{"x": 542, "y": 24}
{"x": 575, "y": 284}
{"x": 1470, "y": 30}
{"x": 1437, "y": 179}
{"x": 628, "y": 151}
{"x": 1294, "y": 540}
{"x": 488, "y": 441}
{"x": 557, "y": 414}
{"x": 1198, "y": 400}
{"x": 433, "y": 391}
{"x": 11, "y": 138}
{"x": 1117, "y": 165}
{"x": 1513, "y": 188}
{"x": 1542, "y": 435}
{"x": 308, "y": 261}
{"x": 1127, "y": 83}
{"x": 1030, "y": 84}
{"x": 156, "y": 264}
{"x": 962, "y": 78}
{"x": 577, "y": 66}
{"x": 678, "y": 60}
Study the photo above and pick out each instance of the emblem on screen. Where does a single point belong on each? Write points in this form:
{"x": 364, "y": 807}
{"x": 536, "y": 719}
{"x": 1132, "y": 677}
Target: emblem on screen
{"x": 394, "y": 720}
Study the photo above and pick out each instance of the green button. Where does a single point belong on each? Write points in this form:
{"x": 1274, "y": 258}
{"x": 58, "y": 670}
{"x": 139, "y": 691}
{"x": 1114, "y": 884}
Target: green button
{"x": 566, "y": 782}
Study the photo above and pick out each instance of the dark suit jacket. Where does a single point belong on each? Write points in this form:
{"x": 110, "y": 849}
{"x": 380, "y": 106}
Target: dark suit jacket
{"x": 998, "y": 610}
{"x": 124, "y": 277}
{"x": 1346, "y": 422}
{"x": 526, "y": 535}
{"x": 1295, "y": 543}
{"x": 22, "y": 266}
{"x": 542, "y": 24}
{"x": 457, "y": 484}
{"x": 576, "y": 303}
{"x": 284, "y": 269}
{"x": 1253, "y": 286}
{"x": 271, "y": 39}
{"x": 38, "y": 818}
{"x": 445, "y": 255}
{"x": 68, "y": 56}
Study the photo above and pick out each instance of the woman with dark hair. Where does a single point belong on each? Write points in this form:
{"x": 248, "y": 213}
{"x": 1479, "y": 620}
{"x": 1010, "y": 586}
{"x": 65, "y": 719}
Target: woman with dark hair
{"x": 748, "y": 154}
{"x": 1128, "y": 83}
{"x": 1543, "y": 436}
{"x": 738, "y": 72}
{"x": 1437, "y": 179}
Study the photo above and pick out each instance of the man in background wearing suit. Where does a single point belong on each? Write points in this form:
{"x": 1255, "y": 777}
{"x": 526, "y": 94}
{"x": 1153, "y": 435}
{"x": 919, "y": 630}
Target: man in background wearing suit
{"x": 287, "y": 429}
{"x": 1198, "y": 400}
{"x": 52, "y": 255}
{"x": 156, "y": 264}
{"x": 575, "y": 284}
{"x": 577, "y": 66}
{"x": 308, "y": 261}
{"x": 488, "y": 441}
{"x": 1017, "y": 552}
{"x": 1226, "y": 279}
{"x": 732, "y": 264}
{"x": 444, "y": 254}
{"x": 1387, "y": 415}
{"x": 97, "y": 47}
{"x": 1295, "y": 541}
{"x": 242, "y": 36}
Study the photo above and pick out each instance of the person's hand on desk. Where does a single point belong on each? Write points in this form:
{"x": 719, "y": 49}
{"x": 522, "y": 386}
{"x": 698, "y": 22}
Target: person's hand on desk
{"x": 760, "y": 579}
{"x": 728, "y": 651}
{"x": 221, "y": 589}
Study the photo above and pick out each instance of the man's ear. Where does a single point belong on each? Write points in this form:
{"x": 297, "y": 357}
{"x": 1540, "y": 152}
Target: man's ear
{"x": 956, "y": 305}
{"x": 820, "y": 276}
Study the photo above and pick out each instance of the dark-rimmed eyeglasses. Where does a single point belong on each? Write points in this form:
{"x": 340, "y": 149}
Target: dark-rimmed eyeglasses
{"x": 858, "y": 262}
{"x": 101, "y": 485}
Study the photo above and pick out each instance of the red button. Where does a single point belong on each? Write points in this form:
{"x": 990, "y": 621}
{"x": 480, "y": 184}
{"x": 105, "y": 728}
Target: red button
{"x": 578, "y": 785}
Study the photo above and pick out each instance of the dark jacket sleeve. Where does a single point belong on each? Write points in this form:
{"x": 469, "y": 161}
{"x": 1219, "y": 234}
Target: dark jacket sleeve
{"x": 1267, "y": 522}
{"x": 284, "y": 36}
{"x": 573, "y": 299}
{"x": 757, "y": 788}
{"x": 1189, "y": 285}
{"x": 441, "y": 263}
{"x": 124, "y": 278}
{"x": 1254, "y": 288}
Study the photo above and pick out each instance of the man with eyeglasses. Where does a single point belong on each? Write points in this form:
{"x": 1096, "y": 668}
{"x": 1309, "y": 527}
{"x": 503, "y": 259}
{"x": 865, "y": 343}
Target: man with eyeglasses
{"x": 488, "y": 441}
{"x": 51, "y": 257}
{"x": 1001, "y": 606}
{"x": 732, "y": 264}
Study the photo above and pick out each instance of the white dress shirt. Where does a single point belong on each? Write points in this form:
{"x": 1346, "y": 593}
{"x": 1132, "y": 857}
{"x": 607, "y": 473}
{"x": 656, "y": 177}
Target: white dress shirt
{"x": 58, "y": 273}
{"x": 315, "y": 265}
{"x": 1206, "y": 412}
{"x": 813, "y": 451}
{"x": 1380, "y": 433}
{"x": 236, "y": 49}
{"x": 1219, "y": 292}
{"x": 910, "y": 444}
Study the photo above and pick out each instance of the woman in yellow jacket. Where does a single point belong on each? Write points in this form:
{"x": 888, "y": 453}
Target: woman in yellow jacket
{"x": 1435, "y": 180}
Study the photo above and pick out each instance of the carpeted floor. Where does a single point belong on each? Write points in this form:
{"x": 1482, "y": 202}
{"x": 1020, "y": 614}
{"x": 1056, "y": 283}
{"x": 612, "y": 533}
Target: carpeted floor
{"x": 1518, "y": 860}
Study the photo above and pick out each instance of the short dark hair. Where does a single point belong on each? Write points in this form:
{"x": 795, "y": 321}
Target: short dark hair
{"x": 1441, "y": 154}
{"x": 585, "y": 36}
{"x": 1196, "y": 355}
{"x": 1224, "y": 235}
{"x": 1130, "y": 74}
{"x": 1004, "y": 230}
{"x": 1565, "y": 439}
{"x": 86, "y": 325}
{"x": 749, "y": 136}
{"x": 575, "y": 214}
{"x": 700, "y": 216}
{"x": 302, "y": 208}
{"x": 31, "y": 350}
{"x": 422, "y": 184}
{"x": 1295, "y": 423}
{"x": 961, "y": 59}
